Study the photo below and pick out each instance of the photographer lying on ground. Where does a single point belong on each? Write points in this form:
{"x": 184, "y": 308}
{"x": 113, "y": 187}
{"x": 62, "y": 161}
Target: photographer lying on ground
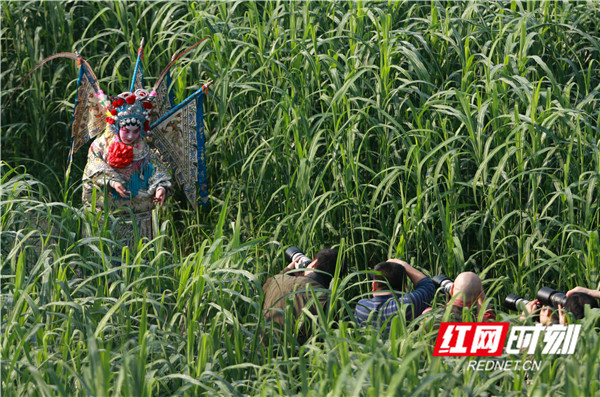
{"x": 292, "y": 285}
{"x": 574, "y": 300}
{"x": 385, "y": 304}
{"x": 466, "y": 290}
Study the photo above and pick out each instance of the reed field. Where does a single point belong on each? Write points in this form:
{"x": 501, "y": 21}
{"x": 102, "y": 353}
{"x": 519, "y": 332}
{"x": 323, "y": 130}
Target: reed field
{"x": 458, "y": 136}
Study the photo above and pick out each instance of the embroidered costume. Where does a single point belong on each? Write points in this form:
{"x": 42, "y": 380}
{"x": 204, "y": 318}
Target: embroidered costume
{"x": 131, "y": 172}
{"x": 139, "y": 170}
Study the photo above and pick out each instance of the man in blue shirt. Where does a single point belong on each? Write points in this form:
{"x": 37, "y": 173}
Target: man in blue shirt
{"x": 385, "y": 304}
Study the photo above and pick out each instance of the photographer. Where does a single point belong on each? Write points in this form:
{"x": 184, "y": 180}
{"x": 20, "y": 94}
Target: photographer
{"x": 292, "y": 285}
{"x": 574, "y": 302}
{"x": 385, "y": 304}
{"x": 467, "y": 290}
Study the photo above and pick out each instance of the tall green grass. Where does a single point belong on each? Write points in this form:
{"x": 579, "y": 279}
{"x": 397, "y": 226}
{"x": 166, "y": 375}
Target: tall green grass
{"x": 457, "y": 136}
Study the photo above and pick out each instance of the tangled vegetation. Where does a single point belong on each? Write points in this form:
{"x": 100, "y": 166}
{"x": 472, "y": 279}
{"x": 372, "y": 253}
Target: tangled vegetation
{"x": 457, "y": 136}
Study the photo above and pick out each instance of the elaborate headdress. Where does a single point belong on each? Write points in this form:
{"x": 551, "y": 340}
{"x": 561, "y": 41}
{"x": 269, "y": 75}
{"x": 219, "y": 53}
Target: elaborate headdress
{"x": 132, "y": 109}
{"x": 177, "y": 131}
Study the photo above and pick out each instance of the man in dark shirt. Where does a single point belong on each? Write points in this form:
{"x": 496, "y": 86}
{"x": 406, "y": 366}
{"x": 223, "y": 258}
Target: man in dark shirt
{"x": 386, "y": 303}
{"x": 294, "y": 285}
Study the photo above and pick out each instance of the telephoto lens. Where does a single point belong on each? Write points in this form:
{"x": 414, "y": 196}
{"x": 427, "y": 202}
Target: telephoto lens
{"x": 443, "y": 282}
{"x": 551, "y": 297}
{"x": 515, "y": 302}
{"x": 294, "y": 253}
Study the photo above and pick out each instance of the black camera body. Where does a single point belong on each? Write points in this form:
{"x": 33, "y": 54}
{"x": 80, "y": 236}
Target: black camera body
{"x": 294, "y": 253}
{"x": 443, "y": 282}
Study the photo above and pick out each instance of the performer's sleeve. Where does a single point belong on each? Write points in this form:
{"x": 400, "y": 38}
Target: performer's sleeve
{"x": 160, "y": 175}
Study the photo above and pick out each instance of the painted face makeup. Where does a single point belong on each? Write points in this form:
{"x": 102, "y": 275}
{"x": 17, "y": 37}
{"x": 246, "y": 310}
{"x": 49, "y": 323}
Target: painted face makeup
{"x": 129, "y": 134}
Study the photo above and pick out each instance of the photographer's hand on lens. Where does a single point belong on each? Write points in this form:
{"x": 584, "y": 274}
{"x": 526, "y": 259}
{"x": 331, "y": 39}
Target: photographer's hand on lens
{"x": 289, "y": 269}
{"x": 530, "y": 309}
{"x": 546, "y": 315}
{"x": 532, "y": 306}
{"x": 562, "y": 317}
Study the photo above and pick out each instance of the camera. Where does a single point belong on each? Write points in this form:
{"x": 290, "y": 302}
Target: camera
{"x": 547, "y": 297}
{"x": 294, "y": 253}
{"x": 551, "y": 297}
{"x": 515, "y": 302}
{"x": 443, "y": 282}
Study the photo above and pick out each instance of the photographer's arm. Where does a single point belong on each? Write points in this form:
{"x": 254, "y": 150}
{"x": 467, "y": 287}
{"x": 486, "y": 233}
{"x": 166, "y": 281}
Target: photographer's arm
{"x": 591, "y": 292}
{"x": 413, "y": 274}
{"x": 292, "y": 270}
